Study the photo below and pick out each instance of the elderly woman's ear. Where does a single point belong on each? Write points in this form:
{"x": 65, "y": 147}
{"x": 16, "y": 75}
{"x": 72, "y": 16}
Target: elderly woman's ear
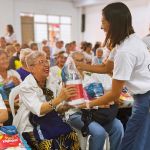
{"x": 31, "y": 68}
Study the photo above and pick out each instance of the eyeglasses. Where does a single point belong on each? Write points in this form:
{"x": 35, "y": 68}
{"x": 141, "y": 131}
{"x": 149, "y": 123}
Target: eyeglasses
{"x": 80, "y": 60}
{"x": 42, "y": 62}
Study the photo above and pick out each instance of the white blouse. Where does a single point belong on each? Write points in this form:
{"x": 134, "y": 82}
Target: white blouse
{"x": 31, "y": 100}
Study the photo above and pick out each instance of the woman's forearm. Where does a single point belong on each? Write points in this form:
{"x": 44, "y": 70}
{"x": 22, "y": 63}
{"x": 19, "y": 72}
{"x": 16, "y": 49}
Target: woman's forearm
{"x": 48, "y": 106}
{"x": 104, "y": 100}
{"x": 97, "y": 69}
{"x": 104, "y": 68}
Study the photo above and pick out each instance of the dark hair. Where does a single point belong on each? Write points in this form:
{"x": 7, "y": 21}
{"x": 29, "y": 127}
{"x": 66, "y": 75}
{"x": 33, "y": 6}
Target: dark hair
{"x": 10, "y": 29}
{"x": 67, "y": 44}
{"x": 120, "y": 23}
{"x": 97, "y": 45}
{"x": 33, "y": 44}
{"x": 3, "y": 38}
{"x": 62, "y": 42}
{"x": 25, "y": 45}
{"x": 73, "y": 42}
{"x": 88, "y": 44}
{"x": 83, "y": 45}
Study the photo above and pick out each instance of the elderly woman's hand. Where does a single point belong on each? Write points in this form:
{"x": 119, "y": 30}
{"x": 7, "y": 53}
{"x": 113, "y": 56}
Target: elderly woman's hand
{"x": 67, "y": 92}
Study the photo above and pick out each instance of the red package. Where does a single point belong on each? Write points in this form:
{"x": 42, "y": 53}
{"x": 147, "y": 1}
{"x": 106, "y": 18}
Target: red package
{"x": 7, "y": 141}
{"x": 79, "y": 98}
{"x": 71, "y": 76}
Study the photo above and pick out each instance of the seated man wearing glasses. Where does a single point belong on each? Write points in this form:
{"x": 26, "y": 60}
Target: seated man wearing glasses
{"x": 98, "y": 132}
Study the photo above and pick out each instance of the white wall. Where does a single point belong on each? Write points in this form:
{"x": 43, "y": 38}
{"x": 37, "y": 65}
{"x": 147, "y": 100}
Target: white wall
{"x": 140, "y": 14}
{"x": 10, "y": 13}
{"x": 6, "y": 14}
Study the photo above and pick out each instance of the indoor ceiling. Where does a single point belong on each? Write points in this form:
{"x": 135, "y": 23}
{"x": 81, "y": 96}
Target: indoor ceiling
{"x": 82, "y": 3}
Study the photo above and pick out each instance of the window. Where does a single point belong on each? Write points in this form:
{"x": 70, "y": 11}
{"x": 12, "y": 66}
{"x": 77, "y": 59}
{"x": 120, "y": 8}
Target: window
{"x": 40, "y": 32}
{"x": 52, "y": 28}
{"x": 40, "y": 18}
{"x": 65, "y": 20}
{"x": 53, "y": 19}
{"x": 65, "y": 31}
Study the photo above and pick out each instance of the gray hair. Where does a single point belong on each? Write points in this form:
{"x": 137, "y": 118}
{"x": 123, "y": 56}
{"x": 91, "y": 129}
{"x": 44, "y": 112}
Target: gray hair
{"x": 30, "y": 59}
{"x": 76, "y": 52}
{"x": 23, "y": 54}
{"x": 99, "y": 49}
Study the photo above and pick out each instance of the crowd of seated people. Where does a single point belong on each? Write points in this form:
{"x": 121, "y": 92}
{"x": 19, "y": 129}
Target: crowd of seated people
{"x": 37, "y": 71}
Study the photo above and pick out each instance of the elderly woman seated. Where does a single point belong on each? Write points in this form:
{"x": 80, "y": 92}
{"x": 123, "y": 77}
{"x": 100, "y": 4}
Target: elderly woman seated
{"x": 37, "y": 118}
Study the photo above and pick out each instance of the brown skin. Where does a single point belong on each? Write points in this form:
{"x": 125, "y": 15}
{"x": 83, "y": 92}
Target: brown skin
{"x": 61, "y": 59}
{"x": 106, "y": 68}
{"x": 68, "y": 49}
{"x": 2, "y": 43}
{"x": 17, "y": 47}
{"x": 46, "y": 49}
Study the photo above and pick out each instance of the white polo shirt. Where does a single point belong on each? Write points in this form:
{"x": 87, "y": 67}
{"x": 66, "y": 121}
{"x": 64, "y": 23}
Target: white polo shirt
{"x": 132, "y": 64}
{"x": 2, "y": 104}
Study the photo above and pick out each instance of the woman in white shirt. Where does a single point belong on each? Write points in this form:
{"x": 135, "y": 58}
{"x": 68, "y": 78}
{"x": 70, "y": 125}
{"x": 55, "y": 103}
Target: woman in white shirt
{"x": 3, "y": 111}
{"x": 130, "y": 62}
{"x": 10, "y": 35}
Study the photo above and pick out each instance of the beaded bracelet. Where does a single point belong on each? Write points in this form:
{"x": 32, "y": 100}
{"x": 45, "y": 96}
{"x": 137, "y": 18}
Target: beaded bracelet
{"x": 50, "y": 103}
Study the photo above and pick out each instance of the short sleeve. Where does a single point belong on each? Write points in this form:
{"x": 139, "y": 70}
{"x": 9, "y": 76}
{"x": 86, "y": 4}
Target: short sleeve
{"x": 124, "y": 64}
{"x": 2, "y": 104}
{"x": 112, "y": 55}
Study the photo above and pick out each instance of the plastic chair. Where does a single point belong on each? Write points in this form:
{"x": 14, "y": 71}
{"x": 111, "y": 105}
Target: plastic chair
{"x": 14, "y": 92}
{"x": 107, "y": 144}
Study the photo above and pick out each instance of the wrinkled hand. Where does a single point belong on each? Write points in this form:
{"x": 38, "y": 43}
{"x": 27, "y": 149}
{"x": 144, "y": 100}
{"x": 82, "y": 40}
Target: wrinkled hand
{"x": 67, "y": 92}
{"x": 15, "y": 80}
